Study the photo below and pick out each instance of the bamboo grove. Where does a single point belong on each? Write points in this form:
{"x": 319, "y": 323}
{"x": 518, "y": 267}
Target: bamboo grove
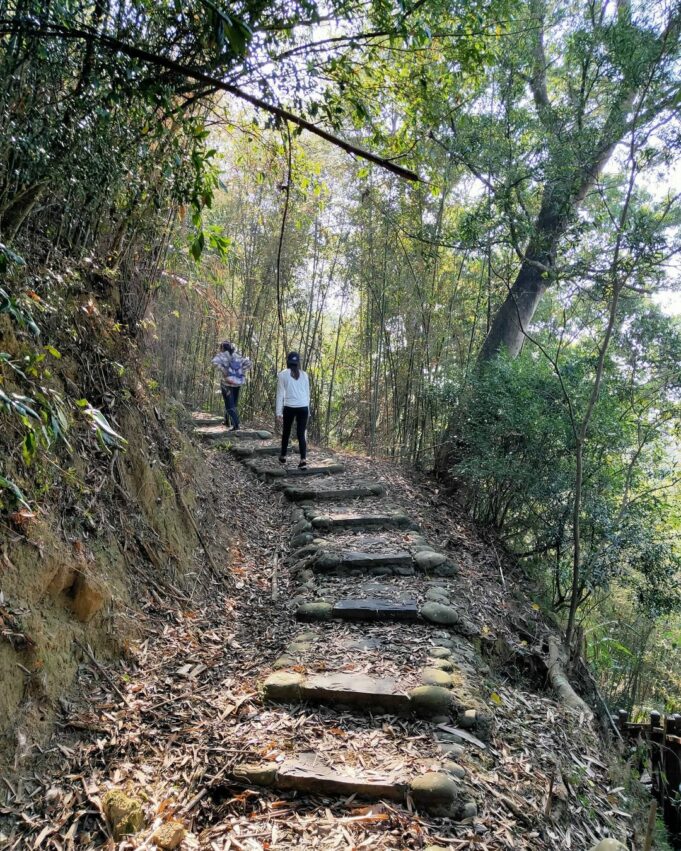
{"x": 509, "y": 319}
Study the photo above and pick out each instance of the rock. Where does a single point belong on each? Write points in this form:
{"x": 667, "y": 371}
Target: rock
{"x": 427, "y": 560}
{"x": 442, "y": 664}
{"x": 468, "y": 719}
{"x": 87, "y": 597}
{"x": 454, "y": 769}
{"x": 328, "y": 561}
{"x": 436, "y": 595}
{"x": 436, "y": 677}
{"x": 470, "y": 810}
{"x": 303, "y": 552}
{"x": 169, "y": 835}
{"x": 282, "y": 687}
{"x": 434, "y": 792}
{"x": 446, "y": 569}
{"x": 452, "y": 750}
{"x": 283, "y": 662}
{"x": 609, "y": 845}
{"x": 306, "y": 635}
{"x": 260, "y": 774}
{"x": 403, "y": 571}
{"x": 431, "y": 700}
{"x": 440, "y": 614}
{"x": 384, "y": 570}
{"x": 302, "y": 539}
{"x": 300, "y": 527}
{"x": 319, "y": 610}
{"x": 124, "y": 814}
{"x": 440, "y": 652}
{"x": 299, "y": 647}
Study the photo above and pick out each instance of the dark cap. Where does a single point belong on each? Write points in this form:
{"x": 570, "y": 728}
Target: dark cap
{"x": 292, "y": 359}
{"x": 227, "y": 346}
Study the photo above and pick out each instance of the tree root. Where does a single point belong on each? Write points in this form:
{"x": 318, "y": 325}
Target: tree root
{"x": 560, "y": 682}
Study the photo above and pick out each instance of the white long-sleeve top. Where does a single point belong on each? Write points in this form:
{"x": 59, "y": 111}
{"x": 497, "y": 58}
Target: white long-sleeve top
{"x": 292, "y": 392}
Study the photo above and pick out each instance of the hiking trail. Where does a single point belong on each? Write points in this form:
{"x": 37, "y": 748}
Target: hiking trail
{"x": 352, "y": 684}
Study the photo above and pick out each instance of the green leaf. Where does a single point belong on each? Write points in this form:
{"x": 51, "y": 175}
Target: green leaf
{"x": 9, "y": 485}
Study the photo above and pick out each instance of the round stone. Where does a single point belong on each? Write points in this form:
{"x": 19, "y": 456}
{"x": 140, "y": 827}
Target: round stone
{"x": 283, "y": 662}
{"x": 442, "y": 664}
{"x": 299, "y": 647}
{"x": 440, "y": 652}
{"x": 609, "y": 845}
{"x": 440, "y": 614}
{"x": 431, "y": 700}
{"x": 452, "y": 750}
{"x": 282, "y": 687}
{"x": 436, "y": 677}
{"x": 428, "y": 559}
{"x": 434, "y": 792}
{"x": 435, "y": 595}
{"x": 470, "y": 809}
{"x": 468, "y": 719}
{"x": 319, "y": 610}
{"x": 258, "y": 773}
{"x": 454, "y": 769}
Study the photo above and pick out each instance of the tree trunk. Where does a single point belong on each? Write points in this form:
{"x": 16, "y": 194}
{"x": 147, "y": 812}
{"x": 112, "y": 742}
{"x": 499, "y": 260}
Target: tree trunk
{"x": 515, "y": 314}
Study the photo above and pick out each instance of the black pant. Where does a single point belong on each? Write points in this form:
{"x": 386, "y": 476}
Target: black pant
{"x": 231, "y": 397}
{"x": 300, "y": 415}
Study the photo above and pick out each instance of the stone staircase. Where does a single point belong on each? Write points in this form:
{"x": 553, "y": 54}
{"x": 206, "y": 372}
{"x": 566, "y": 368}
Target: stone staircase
{"x": 386, "y": 654}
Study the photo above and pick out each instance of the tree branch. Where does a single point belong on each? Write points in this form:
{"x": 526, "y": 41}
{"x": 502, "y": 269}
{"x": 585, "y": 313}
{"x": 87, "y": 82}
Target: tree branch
{"x": 116, "y": 46}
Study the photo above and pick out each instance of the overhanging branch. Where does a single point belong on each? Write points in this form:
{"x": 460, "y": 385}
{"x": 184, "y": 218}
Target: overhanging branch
{"x": 116, "y": 46}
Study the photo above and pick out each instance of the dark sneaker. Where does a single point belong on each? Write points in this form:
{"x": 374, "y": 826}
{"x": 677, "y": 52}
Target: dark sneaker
{"x": 282, "y": 459}
{"x": 302, "y": 464}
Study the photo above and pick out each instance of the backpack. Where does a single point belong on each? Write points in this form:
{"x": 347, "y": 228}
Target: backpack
{"x": 234, "y": 374}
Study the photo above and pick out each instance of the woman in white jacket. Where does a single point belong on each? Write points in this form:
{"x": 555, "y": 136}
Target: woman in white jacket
{"x": 293, "y": 403}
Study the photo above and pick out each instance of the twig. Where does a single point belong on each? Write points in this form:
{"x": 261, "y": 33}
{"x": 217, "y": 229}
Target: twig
{"x": 214, "y": 568}
{"x": 275, "y": 583}
{"x": 104, "y": 673}
{"x": 501, "y": 570}
{"x": 650, "y": 830}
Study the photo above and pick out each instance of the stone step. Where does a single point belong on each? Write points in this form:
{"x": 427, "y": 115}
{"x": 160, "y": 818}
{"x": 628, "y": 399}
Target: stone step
{"x": 435, "y": 792}
{"x": 202, "y": 418}
{"x": 316, "y": 468}
{"x": 341, "y": 562}
{"x": 345, "y": 560}
{"x": 360, "y": 692}
{"x": 375, "y": 609}
{"x": 359, "y": 520}
{"x": 360, "y": 491}
{"x": 217, "y": 433}
{"x": 250, "y": 451}
{"x": 370, "y": 609}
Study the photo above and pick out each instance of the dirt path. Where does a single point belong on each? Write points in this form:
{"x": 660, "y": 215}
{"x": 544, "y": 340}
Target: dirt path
{"x": 333, "y": 696}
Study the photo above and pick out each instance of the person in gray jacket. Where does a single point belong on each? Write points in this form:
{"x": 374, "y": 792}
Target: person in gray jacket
{"x": 233, "y": 367}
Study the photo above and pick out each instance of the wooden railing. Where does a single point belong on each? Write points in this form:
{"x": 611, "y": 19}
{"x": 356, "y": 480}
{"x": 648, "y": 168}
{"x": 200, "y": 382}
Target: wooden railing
{"x": 662, "y": 735}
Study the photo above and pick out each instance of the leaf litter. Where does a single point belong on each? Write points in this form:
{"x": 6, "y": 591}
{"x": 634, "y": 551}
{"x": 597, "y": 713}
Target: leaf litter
{"x": 192, "y": 711}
